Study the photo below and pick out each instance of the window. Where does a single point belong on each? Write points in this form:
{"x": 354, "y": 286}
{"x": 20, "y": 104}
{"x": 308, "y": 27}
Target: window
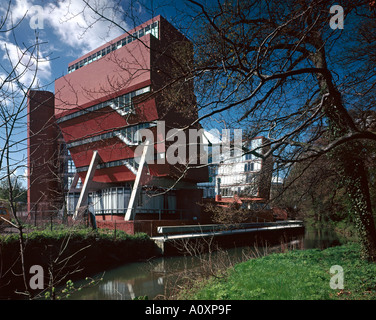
{"x": 71, "y": 166}
{"x": 250, "y": 178}
{"x": 154, "y": 29}
{"x": 140, "y": 199}
{"x": 127, "y": 195}
{"x": 143, "y": 90}
{"x": 249, "y": 166}
{"x": 79, "y": 183}
{"x": 120, "y": 199}
{"x": 90, "y": 198}
{"x": 69, "y": 182}
{"x": 72, "y": 200}
{"x": 113, "y": 199}
{"x": 248, "y": 156}
{"x": 100, "y": 204}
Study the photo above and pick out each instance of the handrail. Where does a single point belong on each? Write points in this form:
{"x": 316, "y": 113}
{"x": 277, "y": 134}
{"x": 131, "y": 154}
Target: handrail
{"x": 219, "y": 227}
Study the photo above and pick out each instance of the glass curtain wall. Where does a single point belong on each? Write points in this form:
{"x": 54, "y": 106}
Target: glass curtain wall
{"x": 115, "y": 201}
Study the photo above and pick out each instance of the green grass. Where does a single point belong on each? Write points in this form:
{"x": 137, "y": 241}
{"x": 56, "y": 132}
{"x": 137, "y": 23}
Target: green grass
{"x": 295, "y": 275}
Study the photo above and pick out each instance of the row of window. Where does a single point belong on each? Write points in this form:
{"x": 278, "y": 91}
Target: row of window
{"x": 116, "y": 200}
{"x": 123, "y": 102}
{"x": 227, "y": 192}
{"x": 131, "y": 133}
{"x": 208, "y": 193}
{"x": 117, "y": 163}
{"x": 151, "y": 28}
{"x": 238, "y": 179}
{"x": 239, "y": 167}
{"x": 241, "y": 191}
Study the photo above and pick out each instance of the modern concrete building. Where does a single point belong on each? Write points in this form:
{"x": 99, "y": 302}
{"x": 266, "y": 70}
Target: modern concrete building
{"x": 105, "y": 133}
{"x": 107, "y": 97}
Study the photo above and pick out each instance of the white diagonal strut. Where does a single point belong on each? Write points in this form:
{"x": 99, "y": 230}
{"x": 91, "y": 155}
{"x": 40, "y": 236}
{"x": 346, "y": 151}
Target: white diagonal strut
{"x": 82, "y": 200}
{"x": 135, "y": 189}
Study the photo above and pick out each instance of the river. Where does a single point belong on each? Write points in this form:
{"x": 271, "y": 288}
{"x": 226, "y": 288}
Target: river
{"x": 159, "y": 277}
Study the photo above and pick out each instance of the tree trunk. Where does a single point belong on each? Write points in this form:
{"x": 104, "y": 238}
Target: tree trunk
{"x": 360, "y": 200}
{"x": 348, "y": 159}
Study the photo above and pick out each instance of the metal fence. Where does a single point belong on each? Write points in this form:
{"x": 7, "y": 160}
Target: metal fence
{"x": 47, "y": 219}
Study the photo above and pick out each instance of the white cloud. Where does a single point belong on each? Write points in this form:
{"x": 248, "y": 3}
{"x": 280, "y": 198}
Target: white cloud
{"x": 78, "y": 25}
{"x": 29, "y": 65}
{"x": 16, "y": 12}
{"x": 73, "y": 21}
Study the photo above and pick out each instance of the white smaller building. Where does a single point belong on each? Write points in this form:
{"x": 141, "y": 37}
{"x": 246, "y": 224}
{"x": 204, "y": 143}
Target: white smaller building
{"x": 243, "y": 173}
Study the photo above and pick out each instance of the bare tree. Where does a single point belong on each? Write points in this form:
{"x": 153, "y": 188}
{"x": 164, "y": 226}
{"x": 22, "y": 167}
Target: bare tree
{"x": 19, "y": 75}
{"x": 271, "y": 68}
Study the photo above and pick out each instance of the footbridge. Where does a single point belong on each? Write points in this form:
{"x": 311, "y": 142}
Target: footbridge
{"x": 236, "y": 234}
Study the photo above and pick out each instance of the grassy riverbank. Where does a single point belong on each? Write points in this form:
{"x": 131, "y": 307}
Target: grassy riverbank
{"x": 300, "y": 274}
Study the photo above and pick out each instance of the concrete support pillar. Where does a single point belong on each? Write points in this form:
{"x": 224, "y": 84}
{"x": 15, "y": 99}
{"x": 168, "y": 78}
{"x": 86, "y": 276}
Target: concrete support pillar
{"x": 83, "y": 199}
{"x": 136, "y": 186}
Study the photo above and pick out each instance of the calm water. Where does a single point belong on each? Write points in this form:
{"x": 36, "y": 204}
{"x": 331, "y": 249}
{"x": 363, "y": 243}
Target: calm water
{"x": 160, "y": 276}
